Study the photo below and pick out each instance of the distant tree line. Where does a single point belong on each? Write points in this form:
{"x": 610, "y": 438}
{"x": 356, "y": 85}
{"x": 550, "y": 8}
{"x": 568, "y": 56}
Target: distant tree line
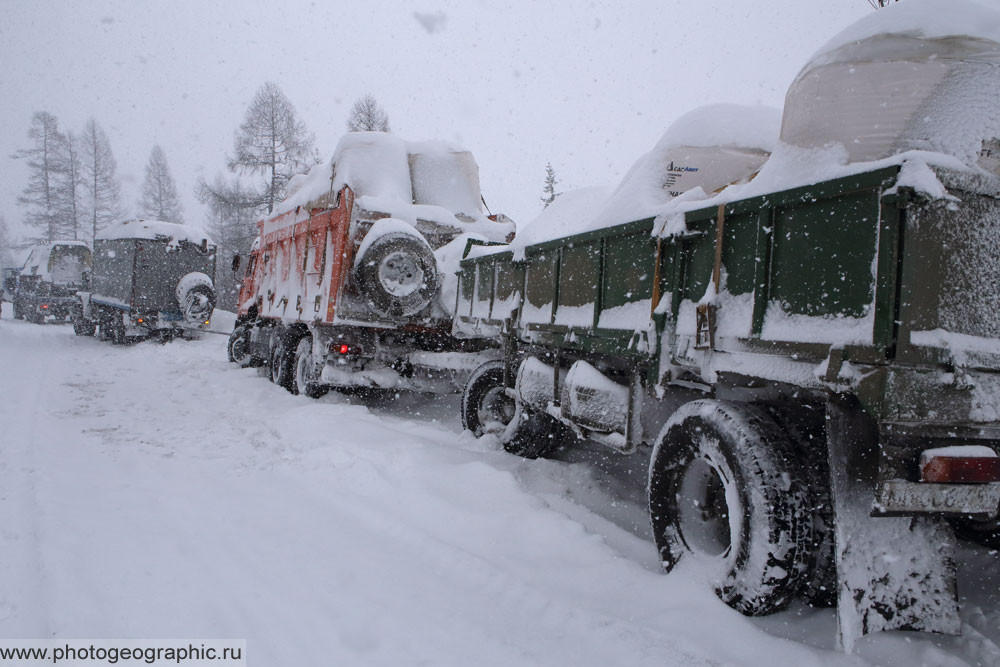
{"x": 73, "y": 189}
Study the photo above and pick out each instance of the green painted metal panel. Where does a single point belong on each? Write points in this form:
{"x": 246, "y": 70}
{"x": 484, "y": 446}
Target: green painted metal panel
{"x": 739, "y": 252}
{"x": 823, "y": 255}
{"x": 466, "y": 289}
{"x": 540, "y": 287}
{"x": 578, "y": 274}
{"x": 484, "y": 288}
{"x": 629, "y": 268}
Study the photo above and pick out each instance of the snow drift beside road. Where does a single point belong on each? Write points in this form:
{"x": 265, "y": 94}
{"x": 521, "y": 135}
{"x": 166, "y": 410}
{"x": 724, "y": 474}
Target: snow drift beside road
{"x": 158, "y": 491}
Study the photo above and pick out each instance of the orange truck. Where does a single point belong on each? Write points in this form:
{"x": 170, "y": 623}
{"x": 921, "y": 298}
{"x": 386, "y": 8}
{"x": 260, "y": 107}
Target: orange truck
{"x": 352, "y": 283}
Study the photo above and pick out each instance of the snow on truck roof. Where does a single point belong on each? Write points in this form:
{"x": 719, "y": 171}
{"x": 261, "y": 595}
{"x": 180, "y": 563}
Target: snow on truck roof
{"x": 154, "y": 229}
{"x": 430, "y": 180}
{"x": 704, "y": 150}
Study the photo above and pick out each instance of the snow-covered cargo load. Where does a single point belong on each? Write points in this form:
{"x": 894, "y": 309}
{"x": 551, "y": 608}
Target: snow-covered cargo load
{"x": 44, "y": 288}
{"x": 150, "y": 277}
{"x": 810, "y": 359}
{"x": 352, "y": 275}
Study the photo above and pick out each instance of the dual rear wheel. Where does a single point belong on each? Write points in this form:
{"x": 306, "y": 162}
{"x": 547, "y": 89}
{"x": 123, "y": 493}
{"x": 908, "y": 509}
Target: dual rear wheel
{"x": 730, "y": 493}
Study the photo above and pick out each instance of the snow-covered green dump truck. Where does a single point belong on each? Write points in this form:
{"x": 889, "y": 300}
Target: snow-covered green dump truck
{"x": 810, "y": 359}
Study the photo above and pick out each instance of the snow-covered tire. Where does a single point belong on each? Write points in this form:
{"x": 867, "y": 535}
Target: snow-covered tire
{"x": 396, "y": 273}
{"x": 84, "y": 328}
{"x": 486, "y": 407}
{"x": 281, "y": 362}
{"x": 806, "y": 426}
{"x": 304, "y": 380}
{"x": 726, "y": 489}
{"x": 240, "y": 348}
{"x": 195, "y": 294}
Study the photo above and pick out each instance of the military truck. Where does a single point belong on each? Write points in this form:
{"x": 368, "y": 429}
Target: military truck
{"x": 149, "y": 278}
{"x": 44, "y": 288}
{"x": 809, "y": 360}
{"x": 350, "y": 284}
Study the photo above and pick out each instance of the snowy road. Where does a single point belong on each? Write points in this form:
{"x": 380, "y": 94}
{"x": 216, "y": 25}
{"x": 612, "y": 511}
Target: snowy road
{"x": 156, "y": 491}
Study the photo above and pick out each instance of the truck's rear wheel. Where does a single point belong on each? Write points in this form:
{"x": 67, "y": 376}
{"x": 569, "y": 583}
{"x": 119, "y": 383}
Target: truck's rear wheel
{"x": 83, "y": 328}
{"x": 240, "y": 348}
{"x": 305, "y": 380}
{"x": 726, "y": 490}
{"x": 281, "y": 363}
{"x": 486, "y": 407}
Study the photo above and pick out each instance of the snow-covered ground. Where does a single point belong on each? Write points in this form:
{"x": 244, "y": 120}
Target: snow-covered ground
{"x": 157, "y": 491}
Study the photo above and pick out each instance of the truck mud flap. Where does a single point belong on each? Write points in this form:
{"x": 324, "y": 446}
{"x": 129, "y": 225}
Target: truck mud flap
{"x": 893, "y": 573}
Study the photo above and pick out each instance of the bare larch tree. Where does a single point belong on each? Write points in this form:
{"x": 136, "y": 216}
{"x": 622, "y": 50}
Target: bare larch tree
{"x": 272, "y": 141}
{"x": 367, "y": 115}
{"x": 39, "y": 196}
{"x": 159, "y": 200}
{"x": 70, "y": 186}
{"x": 103, "y": 190}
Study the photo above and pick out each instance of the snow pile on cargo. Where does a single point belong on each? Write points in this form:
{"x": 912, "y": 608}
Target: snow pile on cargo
{"x": 704, "y": 150}
{"x": 408, "y": 180}
{"x": 155, "y": 229}
{"x": 915, "y": 76}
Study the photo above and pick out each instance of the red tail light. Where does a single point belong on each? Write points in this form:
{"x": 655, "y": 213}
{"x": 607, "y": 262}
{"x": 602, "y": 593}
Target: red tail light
{"x": 343, "y": 349}
{"x": 45, "y": 306}
{"x": 960, "y": 470}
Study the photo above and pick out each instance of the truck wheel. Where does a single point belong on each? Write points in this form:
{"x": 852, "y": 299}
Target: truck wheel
{"x": 281, "y": 363}
{"x": 397, "y": 274}
{"x": 196, "y": 297}
{"x": 486, "y": 407}
{"x": 84, "y": 328}
{"x": 116, "y": 330}
{"x": 304, "y": 381}
{"x": 726, "y": 490}
{"x": 240, "y": 348}
{"x": 806, "y": 426}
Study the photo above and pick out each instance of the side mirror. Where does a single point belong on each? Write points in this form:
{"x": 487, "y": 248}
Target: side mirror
{"x": 236, "y": 262}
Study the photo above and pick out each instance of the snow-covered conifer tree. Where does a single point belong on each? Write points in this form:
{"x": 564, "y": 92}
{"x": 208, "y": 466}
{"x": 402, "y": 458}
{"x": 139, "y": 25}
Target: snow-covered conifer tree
{"x": 159, "y": 200}
{"x": 367, "y": 115}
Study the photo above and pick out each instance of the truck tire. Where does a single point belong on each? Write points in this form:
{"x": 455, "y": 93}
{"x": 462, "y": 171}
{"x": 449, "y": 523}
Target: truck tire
{"x": 196, "y": 297}
{"x": 281, "y": 362}
{"x": 303, "y": 380}
{"x": 486, "y": 407}
{"x": 726, "y": 489}
{"x": 806, "y": 426}
{"x": 240, "y": 349}
{"x": 84, "y": 328}
{"x": 397, "y": 274}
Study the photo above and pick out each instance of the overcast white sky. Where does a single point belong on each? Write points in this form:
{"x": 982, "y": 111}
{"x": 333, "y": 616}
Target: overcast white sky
{"x": 589, "y": 86}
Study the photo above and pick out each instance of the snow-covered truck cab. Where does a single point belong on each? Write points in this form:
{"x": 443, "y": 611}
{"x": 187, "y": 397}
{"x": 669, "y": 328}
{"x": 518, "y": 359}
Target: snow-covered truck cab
{"x": 44, "y": 289}
{"x": 811, "y": 359}
{"x": 149, "y": 277}
{"x": 352, "y": 281}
